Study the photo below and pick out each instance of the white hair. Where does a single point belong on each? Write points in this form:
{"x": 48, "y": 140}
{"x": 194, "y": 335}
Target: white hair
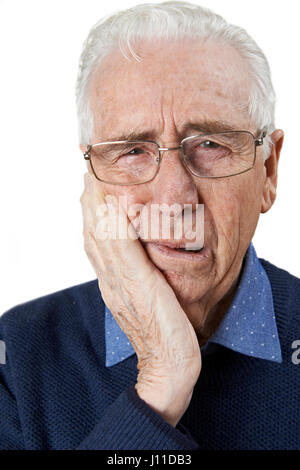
{"x": 172, "y": 20}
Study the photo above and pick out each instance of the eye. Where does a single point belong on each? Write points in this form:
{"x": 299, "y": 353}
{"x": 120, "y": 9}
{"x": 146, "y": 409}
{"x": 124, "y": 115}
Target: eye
{"x": 209, "y": 144}
{"x": 136, "y": 151}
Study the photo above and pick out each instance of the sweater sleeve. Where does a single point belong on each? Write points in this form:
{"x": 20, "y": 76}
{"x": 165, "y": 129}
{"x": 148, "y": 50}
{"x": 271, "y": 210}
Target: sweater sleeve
{"x": 11, "y": 437}
{"x": 130, "y": 424}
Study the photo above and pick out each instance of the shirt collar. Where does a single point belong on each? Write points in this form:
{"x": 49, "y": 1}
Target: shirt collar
{"x": 249, "y": 326}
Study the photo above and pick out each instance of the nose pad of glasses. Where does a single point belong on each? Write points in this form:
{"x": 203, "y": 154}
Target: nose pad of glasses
{"x": 180, "y": 149}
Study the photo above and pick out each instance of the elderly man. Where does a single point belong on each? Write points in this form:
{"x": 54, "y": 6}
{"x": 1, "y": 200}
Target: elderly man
{"x": 182, "y": 342}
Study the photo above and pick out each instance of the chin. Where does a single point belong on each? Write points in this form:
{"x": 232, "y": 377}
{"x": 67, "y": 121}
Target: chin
{"x": 186, "y": 290}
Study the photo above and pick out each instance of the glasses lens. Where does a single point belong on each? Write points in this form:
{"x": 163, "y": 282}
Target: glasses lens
{"x": 125, "y": 163}
{"x": 219, "y": 154}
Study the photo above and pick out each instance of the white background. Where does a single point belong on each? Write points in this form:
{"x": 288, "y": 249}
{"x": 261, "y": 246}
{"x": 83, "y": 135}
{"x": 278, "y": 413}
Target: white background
{"x": 41, "y": 244}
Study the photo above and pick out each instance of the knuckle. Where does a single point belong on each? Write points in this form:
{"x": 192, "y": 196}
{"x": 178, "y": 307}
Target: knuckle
{"x": 87, "y": 244}
{"x": 87, "y": 249}
{"x": 82, "y": 198}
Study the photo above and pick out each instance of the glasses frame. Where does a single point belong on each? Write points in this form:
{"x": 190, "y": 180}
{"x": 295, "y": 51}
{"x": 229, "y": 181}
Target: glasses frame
{"x": 257, "y": 142}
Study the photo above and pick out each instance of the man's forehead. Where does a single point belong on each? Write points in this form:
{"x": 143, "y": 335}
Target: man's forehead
{"x": 193, "y": 84}
{"x": 201, "y": 126}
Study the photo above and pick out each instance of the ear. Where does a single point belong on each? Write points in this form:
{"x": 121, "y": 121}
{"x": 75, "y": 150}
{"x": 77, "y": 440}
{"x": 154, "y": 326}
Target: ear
{"x": 83, "y": 149}
{"x": 271, "y": 170}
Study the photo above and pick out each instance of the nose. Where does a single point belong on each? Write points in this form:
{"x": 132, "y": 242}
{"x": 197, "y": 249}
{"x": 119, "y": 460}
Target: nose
{"x": 174, "y": 183}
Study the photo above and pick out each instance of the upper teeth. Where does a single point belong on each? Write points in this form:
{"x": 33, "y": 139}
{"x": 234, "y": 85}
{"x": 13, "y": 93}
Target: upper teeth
{"x": 190, "y": 249}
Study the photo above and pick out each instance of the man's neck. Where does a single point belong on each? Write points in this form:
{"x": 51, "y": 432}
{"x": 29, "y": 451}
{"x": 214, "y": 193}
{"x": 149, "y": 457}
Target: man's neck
{"x": 206, "y": 321}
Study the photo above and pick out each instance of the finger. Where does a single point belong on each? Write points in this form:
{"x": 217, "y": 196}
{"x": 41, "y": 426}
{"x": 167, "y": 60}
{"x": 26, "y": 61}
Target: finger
{"x": 125, "y": 243}
{"x": 91, "y": 246}
{"x": 89, "y": 225}
{"x": 95, "y": 208}
{"x": 97, "y": 228}
{"x": 116, "y": 236}
{"x": 99, "y": 209}
{"x": 87, "y": 215}
{"x": 130, "y": 249}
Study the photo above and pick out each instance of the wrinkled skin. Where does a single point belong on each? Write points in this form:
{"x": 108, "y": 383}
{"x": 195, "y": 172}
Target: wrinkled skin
{"x": 146, "y": 308}
{"x": 167, "y": 308}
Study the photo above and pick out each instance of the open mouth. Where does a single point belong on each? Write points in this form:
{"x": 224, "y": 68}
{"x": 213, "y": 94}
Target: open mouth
{"x": 179, "y": 252}
{"x": 179, "y": 249}
{"x": 164, "y": 254}
{"x": 189, "y": 250}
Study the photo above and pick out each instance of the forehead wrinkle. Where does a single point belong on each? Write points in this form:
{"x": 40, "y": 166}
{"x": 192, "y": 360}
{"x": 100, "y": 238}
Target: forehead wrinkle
{"x": 203, "y": 126}
{"x": 163, "y": 120}
{"x": 162, "y": 108}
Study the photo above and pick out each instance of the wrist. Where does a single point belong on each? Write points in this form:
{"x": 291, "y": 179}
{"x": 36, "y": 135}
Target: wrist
{"x": 169, "y": 402}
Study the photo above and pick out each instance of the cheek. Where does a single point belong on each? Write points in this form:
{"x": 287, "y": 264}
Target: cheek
{"x": 129, "y": 197}
{"x": 226, "y": 214}
{"x": 250, "y": 197}
{"x": 233, "y": 207}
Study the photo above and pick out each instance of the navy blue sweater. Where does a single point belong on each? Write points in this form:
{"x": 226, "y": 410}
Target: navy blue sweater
{"x": 56, "y": 393}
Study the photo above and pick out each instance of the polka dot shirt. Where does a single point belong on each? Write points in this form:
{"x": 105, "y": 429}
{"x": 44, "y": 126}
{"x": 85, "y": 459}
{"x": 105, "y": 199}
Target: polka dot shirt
{"x": 249, "y": 326}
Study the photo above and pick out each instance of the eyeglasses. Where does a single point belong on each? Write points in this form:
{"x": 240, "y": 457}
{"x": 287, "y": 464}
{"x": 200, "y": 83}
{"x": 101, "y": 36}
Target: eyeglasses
{"x": 216, "y": 155}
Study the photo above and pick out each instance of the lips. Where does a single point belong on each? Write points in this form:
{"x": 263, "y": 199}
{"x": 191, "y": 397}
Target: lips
{"x": 163, "y": 255}
{"x": 193, "y": 250}
{"x": 180, "y": 246}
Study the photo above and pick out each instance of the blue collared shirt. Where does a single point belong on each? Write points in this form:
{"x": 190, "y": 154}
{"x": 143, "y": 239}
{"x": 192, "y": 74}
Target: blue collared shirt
{"x": 249, "y": 326}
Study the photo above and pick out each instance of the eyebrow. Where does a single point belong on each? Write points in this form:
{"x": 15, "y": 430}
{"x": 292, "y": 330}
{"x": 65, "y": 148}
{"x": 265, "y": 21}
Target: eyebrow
{"x": 207, "y": 127}
{"x": 201, "y": 127}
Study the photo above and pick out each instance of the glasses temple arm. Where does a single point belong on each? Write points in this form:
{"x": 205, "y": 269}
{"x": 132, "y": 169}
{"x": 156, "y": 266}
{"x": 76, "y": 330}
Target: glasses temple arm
{"x": 86, "y": 154}
{"x": 260, "y": 140}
